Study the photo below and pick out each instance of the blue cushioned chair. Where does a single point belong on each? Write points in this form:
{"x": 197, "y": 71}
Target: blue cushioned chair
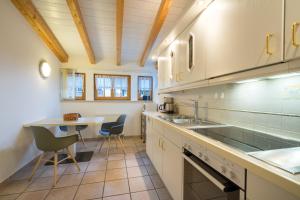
{"x": 78, "y": 128}
{"x": 113, "y": 129}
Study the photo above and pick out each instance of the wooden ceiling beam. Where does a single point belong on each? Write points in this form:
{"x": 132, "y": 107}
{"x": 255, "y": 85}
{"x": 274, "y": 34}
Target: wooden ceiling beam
{"x": 156, "y": 27}
{"x": 78, "y": 20}
{"x": 39, "y": 25}
{"x": 119, "y": 29}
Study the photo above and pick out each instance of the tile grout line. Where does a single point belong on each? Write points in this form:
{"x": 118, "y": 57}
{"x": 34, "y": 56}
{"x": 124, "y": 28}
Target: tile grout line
{"x": 81, "y": 181}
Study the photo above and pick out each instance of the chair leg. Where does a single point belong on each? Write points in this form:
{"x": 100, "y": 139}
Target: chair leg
{"x": 55, "y": 169}
{"x": 81, "y": 138}
{"x": 75, "y": 162}
{"x": 37, "y": 164}
{"x": 102, "y": 144}
{"x": 116, "y": 141}
{"x": 107, "y": 151}
{"x": 122, "y": 144}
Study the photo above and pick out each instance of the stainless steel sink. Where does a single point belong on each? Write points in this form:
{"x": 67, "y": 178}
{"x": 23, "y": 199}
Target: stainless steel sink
{"x": 189, "y": 122}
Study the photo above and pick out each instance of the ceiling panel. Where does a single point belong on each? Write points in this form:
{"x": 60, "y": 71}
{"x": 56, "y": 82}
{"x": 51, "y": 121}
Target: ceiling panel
{"x": 100, "y": 20}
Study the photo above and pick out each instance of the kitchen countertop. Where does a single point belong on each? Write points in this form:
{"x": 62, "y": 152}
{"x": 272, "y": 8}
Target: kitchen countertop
{"x": 279, "y": 177}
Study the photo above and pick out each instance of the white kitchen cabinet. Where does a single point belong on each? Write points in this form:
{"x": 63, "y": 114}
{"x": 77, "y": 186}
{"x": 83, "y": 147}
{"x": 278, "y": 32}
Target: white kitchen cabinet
{"x": 241, "y": 35}
{"x": 149, "y": 137}
{"x": 165, "y": 76}
{"x": 166, "y": 157}
{"x": 190, "y": 53}
{"x": 157, "y": 156}
{"x": 260, "y": 189}
{"x": 292, "y": 29}
{"x": 172, "y": 169}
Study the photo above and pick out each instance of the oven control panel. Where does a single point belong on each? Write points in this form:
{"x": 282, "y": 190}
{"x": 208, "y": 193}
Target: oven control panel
{"x": 229, "y": 169}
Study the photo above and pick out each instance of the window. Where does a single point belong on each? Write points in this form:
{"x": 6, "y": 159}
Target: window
{"x": 72, "y": 85}
{"x": 111, "y": 87}
{"x": 191, "y": 52}
{"x": 145, "y": 88}
{"x": 79, "y": 86}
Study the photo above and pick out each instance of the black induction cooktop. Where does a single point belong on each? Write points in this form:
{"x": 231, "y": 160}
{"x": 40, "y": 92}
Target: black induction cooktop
{"x": 247, "y": 140}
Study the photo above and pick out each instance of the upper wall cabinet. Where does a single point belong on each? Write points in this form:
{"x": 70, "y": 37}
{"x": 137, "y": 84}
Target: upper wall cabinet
{"x": 190, "y": 49}
{"x": 241, "y": 34}
{"x": 165, "y": 71}
{"x": 292, "y": 29}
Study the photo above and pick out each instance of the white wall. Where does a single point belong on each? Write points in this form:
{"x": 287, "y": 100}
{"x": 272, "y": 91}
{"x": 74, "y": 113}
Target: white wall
{"x": 271, "y": 106}
{"x": 132, "y": 108}
{"x": 25, "y": 96}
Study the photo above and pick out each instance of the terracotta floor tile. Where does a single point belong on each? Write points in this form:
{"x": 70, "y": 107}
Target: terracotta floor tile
{"x": 163, "y": 194}
{"x": 93, "y": 177}
{"x": 137, "y": 171}
{"x": 9, "y": 197}
{"x": 37, "y": 195}
{"x": 140, "y": 183}
{"x": 89, "y": 191}
{"x": 116, "y": 187}
{"x": 145, "y": 195}
{"x": 118, "y": 197}
{"x": 69, "y": 180}
{"x": 26, "y": 173}
{"x": 72, "y": 169}
{"x": 156, "y": 180}
{"x": 115, "y": 174}
{"x": 66, "y": 193}
{"x": 13, "y": 187}
{"x": 134, "y": 162}
{"x": 129, "y": 156}
{"x": 116, "y": 164}
{"x": 151, "y": 170}
{"x": 98, "y": 156}
{"x": 116, "y": 157}
{"x": 49, "y": 170}
{"x": 42, "y": 183}
{"x": 96, "y": 166}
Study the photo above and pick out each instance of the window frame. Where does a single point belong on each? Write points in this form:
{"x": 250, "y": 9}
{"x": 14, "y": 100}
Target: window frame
{"x": 83, "y": 97}
{"x": 112, "y": 97}
{"x": 138, "y": 88}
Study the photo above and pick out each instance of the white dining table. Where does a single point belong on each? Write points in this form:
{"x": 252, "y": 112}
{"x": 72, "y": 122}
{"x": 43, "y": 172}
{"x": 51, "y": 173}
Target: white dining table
{"x": 50, "y": 122}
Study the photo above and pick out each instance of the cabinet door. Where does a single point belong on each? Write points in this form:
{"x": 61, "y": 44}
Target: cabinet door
{"x": 260, "y": 189}
{"x": 157, "y": 153}
{"x": 149, "y": 137}
{"x": 172, "y": 169}
{"x": 292, "y": 29}
{"x": 241, "y": 34}
{"x": 191, "y": 54}
{"x": 164, "y": 70}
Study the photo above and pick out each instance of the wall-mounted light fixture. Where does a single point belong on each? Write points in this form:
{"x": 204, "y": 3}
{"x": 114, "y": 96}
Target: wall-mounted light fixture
{"x": 45, "y": 69}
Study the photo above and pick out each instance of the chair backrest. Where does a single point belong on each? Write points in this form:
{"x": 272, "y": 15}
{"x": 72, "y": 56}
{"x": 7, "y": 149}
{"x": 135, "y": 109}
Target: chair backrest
{"x": 43, "y": 138}
{"x": 121, "y": 119}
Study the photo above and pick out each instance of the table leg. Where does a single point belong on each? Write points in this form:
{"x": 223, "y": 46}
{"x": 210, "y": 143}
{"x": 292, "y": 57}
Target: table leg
{"x": 71, "y": 131}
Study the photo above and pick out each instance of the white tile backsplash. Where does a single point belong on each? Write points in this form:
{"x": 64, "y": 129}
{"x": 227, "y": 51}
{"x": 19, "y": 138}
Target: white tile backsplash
{"x": 272, "y": 106}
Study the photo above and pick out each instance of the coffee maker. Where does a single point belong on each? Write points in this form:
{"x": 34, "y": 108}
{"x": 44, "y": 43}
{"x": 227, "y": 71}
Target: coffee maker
{"x": 167, "y": 106}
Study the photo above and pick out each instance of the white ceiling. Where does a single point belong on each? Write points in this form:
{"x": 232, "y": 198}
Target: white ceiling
{"x": 100, "y": 16}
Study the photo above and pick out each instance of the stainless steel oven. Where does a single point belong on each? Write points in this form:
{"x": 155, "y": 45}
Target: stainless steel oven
{"x": 203, "y": 182}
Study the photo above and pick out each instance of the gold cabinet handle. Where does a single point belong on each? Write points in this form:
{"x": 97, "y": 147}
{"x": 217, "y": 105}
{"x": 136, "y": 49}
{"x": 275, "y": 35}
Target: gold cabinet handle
{"x": 268, "y": 37}
{"x": 294, "y": 32}
{"x": 162, "y": 145}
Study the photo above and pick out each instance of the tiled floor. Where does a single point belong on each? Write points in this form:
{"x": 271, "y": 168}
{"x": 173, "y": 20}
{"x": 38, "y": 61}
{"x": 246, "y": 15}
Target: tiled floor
{"x": 129, "y": 176}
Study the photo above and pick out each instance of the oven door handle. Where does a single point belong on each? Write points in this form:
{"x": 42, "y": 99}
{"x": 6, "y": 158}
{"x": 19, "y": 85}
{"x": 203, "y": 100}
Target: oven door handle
{"x": 205, "y": 173}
